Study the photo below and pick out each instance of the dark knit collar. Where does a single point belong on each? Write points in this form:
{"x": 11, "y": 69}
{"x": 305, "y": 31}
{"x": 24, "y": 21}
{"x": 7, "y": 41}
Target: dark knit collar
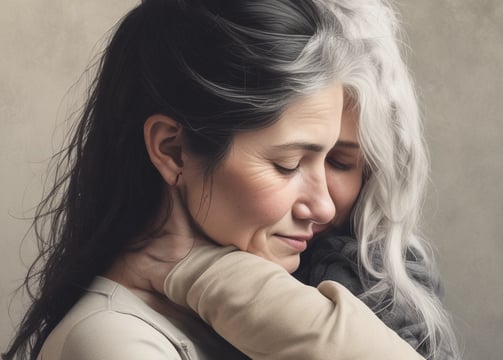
{"x": 335, "y": 257}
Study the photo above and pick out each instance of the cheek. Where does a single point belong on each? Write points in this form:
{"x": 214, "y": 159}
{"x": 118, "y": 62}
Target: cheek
{"x": 244, "y": 203}
{"x": 344, "y": 188}
{"x": 265, "y": 193}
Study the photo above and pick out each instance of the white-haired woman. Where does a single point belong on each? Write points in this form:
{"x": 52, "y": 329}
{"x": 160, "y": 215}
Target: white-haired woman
{"x": 398, "y": 277}
{"x": 376, "y": 175}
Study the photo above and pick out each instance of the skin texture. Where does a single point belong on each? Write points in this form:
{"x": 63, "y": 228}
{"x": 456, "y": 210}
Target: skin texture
{"x": 257, "y": 204}
{"x": 269, "y": 190}
{"x": 144, "y": 271}
{"x": 344, "y": 171}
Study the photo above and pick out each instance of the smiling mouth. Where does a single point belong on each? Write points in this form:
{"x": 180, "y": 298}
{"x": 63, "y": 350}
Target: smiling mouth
{"x": 299, "y": 243}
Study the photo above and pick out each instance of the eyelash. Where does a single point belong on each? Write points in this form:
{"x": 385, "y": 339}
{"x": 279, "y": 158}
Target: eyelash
{"x": 338, "y": 165}
{"x": 286, "y": 171}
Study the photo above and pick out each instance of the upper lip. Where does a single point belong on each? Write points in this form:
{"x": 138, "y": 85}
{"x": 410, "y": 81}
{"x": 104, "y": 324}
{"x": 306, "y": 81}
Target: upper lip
{"x": 306, "y": 237}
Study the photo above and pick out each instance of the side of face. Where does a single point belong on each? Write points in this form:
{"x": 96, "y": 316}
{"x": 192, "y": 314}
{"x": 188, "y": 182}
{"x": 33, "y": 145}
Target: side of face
{"x": 269, "y": 190}
{"x": 344, "y": 169}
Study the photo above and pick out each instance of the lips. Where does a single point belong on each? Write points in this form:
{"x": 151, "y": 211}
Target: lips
{"x": 298, "y": 242}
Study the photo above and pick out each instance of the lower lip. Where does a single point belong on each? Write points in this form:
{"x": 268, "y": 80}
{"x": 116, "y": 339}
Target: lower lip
{"x": 299, "y": 245}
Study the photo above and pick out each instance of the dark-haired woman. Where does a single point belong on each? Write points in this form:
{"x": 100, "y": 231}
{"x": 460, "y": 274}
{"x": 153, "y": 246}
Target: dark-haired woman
{"x": 220, "y": 112}
{"x": 376, "y": 176}
{"x": 208, "y": 119}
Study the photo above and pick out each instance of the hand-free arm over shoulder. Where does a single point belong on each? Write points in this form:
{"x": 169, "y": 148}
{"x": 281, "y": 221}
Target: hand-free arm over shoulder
{"x": 267, "y": 314}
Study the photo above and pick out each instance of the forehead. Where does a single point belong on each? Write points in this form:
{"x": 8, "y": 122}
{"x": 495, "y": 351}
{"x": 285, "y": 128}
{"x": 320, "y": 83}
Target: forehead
{"x": 349, "y": 124}
{"x": 314, "y": 119}
{"x": 324, "y": 102}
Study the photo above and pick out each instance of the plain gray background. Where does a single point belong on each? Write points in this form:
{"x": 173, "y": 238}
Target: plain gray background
{"x": 456, "y": 56}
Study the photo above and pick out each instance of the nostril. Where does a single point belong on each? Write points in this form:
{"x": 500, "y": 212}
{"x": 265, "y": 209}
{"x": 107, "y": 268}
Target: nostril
{"x": 320, "y": 211}
{"x": 302, "y": 211}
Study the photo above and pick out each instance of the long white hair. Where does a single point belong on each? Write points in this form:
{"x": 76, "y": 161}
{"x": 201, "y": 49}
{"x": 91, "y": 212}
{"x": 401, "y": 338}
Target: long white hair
{"x": 386, "y": 216}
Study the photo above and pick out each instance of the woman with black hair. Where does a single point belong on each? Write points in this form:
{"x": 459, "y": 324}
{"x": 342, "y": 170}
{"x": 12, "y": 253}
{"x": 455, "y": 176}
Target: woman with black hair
{"x": 222, "y": 111}
{"x": 208, "y": 121}
{"x": 376, "y": 177}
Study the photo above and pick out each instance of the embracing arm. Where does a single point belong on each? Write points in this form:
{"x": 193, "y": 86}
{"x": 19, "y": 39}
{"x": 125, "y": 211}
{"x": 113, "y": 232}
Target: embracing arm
{"x": 266, "y": 313}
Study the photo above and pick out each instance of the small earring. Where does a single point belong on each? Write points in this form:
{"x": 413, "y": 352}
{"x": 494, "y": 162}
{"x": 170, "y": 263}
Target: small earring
{"x": 177, "y": 178}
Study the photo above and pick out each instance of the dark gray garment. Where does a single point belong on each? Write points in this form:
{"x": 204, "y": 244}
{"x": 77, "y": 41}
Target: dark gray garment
{"x": 332, "y": 257}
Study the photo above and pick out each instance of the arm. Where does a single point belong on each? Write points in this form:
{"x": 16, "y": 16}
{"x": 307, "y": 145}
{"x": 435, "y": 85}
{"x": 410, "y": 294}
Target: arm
{"x": 264, "y": 312}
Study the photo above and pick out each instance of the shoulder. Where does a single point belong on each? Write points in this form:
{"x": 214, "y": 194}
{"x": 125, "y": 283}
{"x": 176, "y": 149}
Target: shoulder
{"x": 112, "y": 335}
{"x": 109, "y": 322}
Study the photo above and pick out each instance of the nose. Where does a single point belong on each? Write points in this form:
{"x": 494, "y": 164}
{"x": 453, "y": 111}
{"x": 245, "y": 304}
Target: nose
{"x": 315, "y": 204}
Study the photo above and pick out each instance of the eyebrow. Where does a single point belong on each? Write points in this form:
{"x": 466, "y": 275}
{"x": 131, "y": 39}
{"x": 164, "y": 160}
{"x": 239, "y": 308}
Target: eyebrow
{"x": 299, "y": 146}
{"x": 347, "y": 144}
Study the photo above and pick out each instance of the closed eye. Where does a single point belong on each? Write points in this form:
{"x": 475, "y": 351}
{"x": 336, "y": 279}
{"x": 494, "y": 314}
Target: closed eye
{"x": 286, "y": 170}
{"x": 339, "y": 165}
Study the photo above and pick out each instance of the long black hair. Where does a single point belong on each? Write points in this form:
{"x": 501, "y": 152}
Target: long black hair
{"x": 217, "y": 67}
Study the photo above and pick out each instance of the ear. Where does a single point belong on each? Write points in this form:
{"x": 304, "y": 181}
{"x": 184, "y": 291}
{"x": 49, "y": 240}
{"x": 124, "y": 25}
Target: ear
{"x": 163, "y": 139}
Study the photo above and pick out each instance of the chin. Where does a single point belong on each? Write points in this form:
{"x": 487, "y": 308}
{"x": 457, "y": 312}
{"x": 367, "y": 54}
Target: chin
{"x": 290, "y": 265}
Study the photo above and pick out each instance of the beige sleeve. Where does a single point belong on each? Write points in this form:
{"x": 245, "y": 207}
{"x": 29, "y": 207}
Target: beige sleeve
{"x": 267, "y": 314}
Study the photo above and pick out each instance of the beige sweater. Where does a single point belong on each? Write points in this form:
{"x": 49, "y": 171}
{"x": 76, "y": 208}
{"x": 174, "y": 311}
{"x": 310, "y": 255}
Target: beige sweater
{"x": 111, "y": 323}
{"x": 267, "y": 314}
